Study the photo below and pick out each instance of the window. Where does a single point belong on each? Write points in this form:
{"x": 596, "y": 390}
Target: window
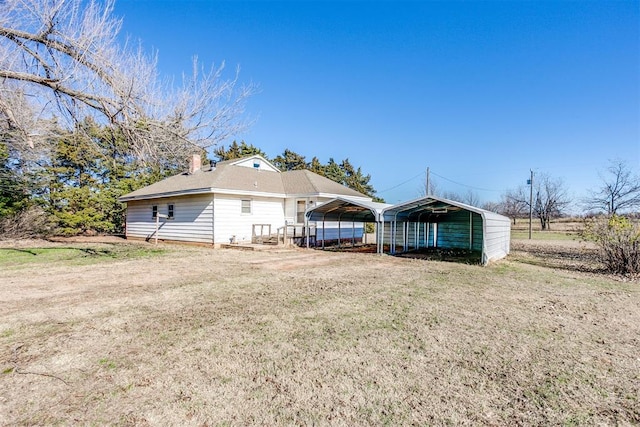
{"x": 301, "y": 206}
{"x": 246, "y": 207}
{"x": 170, "y": 212}
{"x": 256, "y": 165}
{"x": 154, "y": 212}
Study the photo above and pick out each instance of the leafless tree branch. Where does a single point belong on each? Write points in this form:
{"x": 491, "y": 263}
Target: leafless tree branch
{"x": 620, "y": 190}
{"x": 65, "y": 54}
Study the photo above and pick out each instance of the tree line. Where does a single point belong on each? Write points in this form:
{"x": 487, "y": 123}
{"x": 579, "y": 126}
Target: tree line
{"x": 74, "y": 186}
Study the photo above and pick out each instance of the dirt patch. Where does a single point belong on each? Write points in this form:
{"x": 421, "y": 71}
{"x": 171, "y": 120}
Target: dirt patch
{"x": 564, "y": 254}
{"x": 196, "y": 336}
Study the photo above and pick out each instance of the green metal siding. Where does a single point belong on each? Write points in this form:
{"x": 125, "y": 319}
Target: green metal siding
{"x": 454, "y": 230}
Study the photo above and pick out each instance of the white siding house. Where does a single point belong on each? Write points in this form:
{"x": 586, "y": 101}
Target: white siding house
{"x": 192, "y": 219}
{"x": 223, "y": 202}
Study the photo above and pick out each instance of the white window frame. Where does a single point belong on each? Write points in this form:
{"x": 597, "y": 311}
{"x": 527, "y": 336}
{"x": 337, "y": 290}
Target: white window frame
{"x": 300, "y": 214}
{"x": 154, "y": 212}
{"x": 246, "y": 207}
{"x": 171, "y": 211}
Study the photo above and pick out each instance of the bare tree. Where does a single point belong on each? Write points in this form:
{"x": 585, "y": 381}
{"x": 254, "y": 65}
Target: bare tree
{"x": 62, "y": 58}
{"x": 470, "y": 197}
{"x": 492, "y": 206}
{"x": 620, "y": 190}
{"x": 550, "y": 198}
{"x": 513, "y": 204}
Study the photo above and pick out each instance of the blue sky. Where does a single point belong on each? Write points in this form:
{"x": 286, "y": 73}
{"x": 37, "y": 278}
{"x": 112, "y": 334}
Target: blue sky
{"x": 480, "y": 92}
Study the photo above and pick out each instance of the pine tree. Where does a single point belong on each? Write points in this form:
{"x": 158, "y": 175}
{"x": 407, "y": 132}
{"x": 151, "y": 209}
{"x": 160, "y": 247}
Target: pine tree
{"x": 237, "y": 151}
{"x": 290, "y": 161}
{"x": 13, "y": 196}
{"x": 316, "y": 167}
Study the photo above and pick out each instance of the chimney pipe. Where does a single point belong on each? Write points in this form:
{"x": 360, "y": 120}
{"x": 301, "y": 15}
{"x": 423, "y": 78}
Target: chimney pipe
{"x": 195, "y": 163}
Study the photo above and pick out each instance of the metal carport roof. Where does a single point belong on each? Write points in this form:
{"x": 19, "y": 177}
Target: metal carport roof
{"x": 342, "y": 209}
{"x": 433, "y": 205}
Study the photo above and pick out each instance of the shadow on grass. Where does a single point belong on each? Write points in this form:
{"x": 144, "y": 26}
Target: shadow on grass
{"x": 461, "y": 256}
{"x": 43, "y": 251}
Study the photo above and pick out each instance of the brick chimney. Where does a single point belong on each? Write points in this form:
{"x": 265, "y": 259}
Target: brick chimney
{"x": 195, "y": 163}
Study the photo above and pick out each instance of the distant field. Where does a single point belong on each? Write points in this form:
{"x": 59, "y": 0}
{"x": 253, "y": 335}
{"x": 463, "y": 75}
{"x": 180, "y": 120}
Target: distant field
{"x": 95, "y": 334}
{"x": 560, "y": 229}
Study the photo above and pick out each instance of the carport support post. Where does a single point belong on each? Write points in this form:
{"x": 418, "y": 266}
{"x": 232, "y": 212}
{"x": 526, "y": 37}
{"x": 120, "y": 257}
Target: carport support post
{"x": 405, "y": 236}
{"x": 392, "y": 239}
{"x": 322, "y": 231}
{"x": 426, "y": 235}
{"x": 353, "y": 234}
{"x": 470, "y": 230}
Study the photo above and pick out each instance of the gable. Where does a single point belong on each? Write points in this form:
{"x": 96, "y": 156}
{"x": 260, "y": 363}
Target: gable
{"x": 255, "y": 162}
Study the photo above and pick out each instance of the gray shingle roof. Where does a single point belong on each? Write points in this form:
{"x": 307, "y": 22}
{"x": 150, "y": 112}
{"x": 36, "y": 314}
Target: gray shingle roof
{"x": 230, "y": 177}
{"x": 307, "y": 182}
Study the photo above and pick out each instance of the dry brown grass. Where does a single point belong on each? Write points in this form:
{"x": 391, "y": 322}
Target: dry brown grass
{"x": 220, "y": 337}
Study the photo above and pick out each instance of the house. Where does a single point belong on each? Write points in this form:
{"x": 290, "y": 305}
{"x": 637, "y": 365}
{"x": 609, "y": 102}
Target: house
{"x": 242, "y": 200}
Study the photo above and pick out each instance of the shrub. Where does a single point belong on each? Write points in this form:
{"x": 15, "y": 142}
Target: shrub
{"x": 27, "y": 223}
{"x": 618, "y": 239}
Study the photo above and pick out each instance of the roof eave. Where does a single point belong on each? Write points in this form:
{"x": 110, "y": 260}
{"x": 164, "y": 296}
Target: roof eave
{"x": 248, "y": 193}
{"x": 177, "y": 193}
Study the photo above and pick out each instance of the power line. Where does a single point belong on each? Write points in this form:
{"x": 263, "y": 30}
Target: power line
{"x": 439, "y": 176}
{"x": 464, "y": 185}
{"x": 402, "y": 183}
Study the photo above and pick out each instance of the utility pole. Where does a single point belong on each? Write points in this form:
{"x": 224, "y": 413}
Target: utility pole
{"x": 530, "y": 202}
{"x": 428, "y": 190}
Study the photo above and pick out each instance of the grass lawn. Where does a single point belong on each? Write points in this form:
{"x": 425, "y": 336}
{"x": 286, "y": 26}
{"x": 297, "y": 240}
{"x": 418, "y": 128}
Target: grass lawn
{"x": 194, "y": 336}
{"x": 26, "y": 257}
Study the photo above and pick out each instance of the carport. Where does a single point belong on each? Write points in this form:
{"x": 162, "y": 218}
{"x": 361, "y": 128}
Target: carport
{"x": 434, "y": 222}
{"x": 345, "y": 210}
{"x": 427, "y": 222}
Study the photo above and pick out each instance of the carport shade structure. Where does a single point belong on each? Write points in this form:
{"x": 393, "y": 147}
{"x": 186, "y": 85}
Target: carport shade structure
{"x": 345, "y": 210}
{"x": 427, "y": 222}
{"x": 436, "y": 222}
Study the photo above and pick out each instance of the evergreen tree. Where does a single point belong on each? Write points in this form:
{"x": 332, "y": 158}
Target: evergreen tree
{"x": 334, "y": 172}
{"x": 290, "y": 161}
{"x": 236, "y": 151}
{"x": 13, "y": 196}
{"x": 88, "y": 170}
{"x": 316, "y": 167}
